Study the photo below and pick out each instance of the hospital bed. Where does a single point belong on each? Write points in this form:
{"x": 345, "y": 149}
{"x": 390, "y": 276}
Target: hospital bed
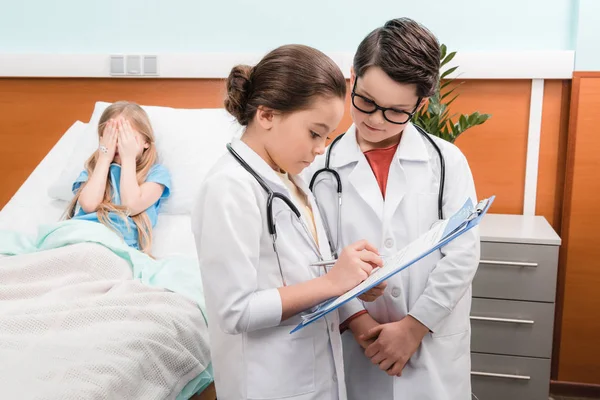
{"x": 41, "y": 200}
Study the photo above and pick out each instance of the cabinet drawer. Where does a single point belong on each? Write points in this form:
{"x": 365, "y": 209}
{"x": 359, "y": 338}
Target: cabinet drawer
{"x": 516, "y": 271}
{"x": 518, "y": 328}
{"x": 495, "y": 377}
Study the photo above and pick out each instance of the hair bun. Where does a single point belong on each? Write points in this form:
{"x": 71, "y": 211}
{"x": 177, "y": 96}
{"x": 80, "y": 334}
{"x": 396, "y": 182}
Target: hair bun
{"x": 238, "y": 89}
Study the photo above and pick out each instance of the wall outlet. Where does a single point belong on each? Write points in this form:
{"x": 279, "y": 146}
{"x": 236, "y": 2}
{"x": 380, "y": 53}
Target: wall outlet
{"x": 150, "y": 64}
{"x": 134, "y": 64}
{"x": 117, "y": 65}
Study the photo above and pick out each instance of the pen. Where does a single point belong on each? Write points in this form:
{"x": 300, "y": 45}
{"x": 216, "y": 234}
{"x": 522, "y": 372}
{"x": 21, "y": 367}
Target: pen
{"x": 326, "y": 263}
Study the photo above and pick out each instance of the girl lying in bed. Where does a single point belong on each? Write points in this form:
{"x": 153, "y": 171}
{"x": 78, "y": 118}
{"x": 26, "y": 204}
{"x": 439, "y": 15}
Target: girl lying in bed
{"x": 122, "y": 185}
{"x": 80, "y": 269}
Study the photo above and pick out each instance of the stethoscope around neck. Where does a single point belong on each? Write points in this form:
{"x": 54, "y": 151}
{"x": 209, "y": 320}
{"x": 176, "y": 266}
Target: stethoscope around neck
{"x": 327, "y": 169}
{"x": 271, "y": 196}
{"x": 334, "y": 173}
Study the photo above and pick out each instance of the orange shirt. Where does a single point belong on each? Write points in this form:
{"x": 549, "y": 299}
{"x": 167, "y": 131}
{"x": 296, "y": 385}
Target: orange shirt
{"x": 380, "y": 160}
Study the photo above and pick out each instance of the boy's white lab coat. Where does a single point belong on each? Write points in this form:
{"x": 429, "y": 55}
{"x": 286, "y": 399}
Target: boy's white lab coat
{"x": 436, "y": 290}
{"x": 254, "y": 356}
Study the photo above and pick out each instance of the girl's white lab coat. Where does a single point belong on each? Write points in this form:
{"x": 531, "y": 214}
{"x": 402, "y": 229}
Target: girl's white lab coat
{"x": 254, "y": 356}
{"x": 436, "y": 290}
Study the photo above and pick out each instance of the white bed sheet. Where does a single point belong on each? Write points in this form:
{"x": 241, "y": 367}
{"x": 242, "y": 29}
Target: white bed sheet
{"x": 31, "y": 206}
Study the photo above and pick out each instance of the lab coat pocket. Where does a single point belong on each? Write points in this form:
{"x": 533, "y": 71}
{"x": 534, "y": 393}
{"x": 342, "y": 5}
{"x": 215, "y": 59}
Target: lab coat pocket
{"x": 280, "y": 364}
{"x": 453, "y": 362}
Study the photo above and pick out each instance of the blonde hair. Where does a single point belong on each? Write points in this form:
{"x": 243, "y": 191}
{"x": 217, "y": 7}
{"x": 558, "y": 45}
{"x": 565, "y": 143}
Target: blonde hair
{"x": 138, "y": 118}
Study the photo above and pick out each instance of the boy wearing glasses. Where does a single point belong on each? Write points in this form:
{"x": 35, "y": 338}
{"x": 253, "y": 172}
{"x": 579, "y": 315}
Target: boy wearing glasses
{"x": 414, "y": 341}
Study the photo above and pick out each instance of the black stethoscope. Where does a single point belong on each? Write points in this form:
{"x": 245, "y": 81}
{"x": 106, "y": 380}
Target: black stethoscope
{"x": 271, "y": 196}
{"x": 332, "y": 171}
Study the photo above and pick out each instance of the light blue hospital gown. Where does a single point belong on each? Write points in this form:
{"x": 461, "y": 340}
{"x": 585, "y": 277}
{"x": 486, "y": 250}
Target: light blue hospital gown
{"x": 157, "y": 173}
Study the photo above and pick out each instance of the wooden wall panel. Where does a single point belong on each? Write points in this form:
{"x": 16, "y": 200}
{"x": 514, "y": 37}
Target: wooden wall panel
{"x": 553, "y": 151}
{"x": 497, "y": 149}
{"x": 35, "y": 112}
{"x": 579, "y": 352}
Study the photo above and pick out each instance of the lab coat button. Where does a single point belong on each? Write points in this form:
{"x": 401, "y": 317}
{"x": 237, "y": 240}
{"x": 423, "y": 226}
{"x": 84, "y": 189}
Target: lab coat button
{"x": 396, "y": 292}
{"x": 389, "y": 243}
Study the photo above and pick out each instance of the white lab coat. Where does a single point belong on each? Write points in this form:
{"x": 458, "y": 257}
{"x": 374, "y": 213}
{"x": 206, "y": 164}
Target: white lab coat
{"x": 436, "y": 290}
{"x": 254, "y": 356}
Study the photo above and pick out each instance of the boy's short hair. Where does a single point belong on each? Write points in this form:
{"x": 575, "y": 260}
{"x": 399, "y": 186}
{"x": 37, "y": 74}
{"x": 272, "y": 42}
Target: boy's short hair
{"x": 406, "y": 51}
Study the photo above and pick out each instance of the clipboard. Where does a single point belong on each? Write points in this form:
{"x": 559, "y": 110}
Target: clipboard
{"x": 441, "y": 233}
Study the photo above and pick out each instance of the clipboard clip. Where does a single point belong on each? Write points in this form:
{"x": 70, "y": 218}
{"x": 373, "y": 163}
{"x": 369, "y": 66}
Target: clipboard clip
{"x": 479, "y": 208}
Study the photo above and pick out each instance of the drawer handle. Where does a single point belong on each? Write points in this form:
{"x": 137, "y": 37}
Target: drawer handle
{"x": 509, "y": 320}
{"x": 509, "y": 263}
{"x": 505, "y": 376}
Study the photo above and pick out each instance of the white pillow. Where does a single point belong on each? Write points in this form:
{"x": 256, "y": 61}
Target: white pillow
{"x": 78, "y": 136}
{"x": 188, "y": 141}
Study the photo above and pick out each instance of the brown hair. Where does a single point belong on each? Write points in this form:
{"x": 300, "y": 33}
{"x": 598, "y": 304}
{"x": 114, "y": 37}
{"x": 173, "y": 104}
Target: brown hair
{"x": 406, "y": 51}
{"x": 287, "y": 79}
{"x": 140, "y": 121}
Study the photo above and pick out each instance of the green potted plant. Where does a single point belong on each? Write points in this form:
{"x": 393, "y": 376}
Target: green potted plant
{"x": 436, "y": 118}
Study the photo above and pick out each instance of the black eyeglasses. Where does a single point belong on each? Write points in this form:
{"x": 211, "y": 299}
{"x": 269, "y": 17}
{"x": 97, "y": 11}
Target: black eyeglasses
{"x": 368, "y": 106}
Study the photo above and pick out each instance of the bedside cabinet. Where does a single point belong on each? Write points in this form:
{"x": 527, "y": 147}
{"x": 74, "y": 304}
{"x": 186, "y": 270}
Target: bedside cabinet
{"x": 512, "y": 312}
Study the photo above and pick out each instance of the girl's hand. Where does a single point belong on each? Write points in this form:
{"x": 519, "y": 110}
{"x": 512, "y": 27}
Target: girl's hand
{"x": 128, "y": 143}
{"x": 353, "y": 266}
{"x": 108, "y": 141}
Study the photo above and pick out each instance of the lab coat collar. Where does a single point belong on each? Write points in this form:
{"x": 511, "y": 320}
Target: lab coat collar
{"x": 259, "y": 165}
{"x": 411, "y": 148}
{"x": 346, "y": 151}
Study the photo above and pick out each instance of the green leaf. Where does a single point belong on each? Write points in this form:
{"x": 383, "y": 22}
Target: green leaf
{"x": 431, "y": 124}
{"x": 447, "y": 134}
{"x": 448, "y": 58}
{"x": 457, "y": 85}
{"x": 444, "y": 85}
{"x": 447, "y": 117}
{"x": 452, "y": 100}
{"x": 437, "y": 118}
{"x": 449, "y": 92}
{"x": 444, "y": 115}
{"x": 482, "y": 118}
{"x": 459, "y": 132}
{"x": 472, "y": 119}
{"x": 454, "y": 130}
{"x": 448, "y": 72}
{"x": 462, "y": 121}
